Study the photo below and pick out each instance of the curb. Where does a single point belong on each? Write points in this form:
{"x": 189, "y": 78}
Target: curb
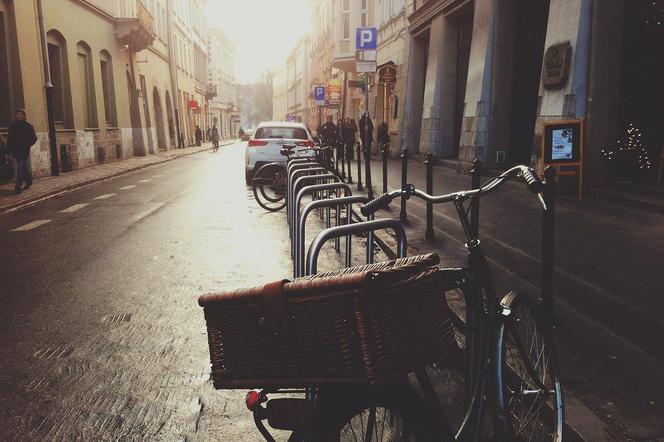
{"x": 64, "y": 189}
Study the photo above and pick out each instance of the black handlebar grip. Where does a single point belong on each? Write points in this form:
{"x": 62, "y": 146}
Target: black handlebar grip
{"x": 376, "y": 204}
{"x": 532, "y": 180}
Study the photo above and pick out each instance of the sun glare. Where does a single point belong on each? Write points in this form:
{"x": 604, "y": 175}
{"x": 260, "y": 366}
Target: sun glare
{"x": 264, "y": 31}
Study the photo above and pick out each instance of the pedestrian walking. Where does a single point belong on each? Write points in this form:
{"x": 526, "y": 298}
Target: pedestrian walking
{"x": 366, "y": 132}
{"x": 207, "y": 134}
{"x": 350, "y": 142}
{"x": 329, "y": 131}
{"x": 214, "y": 133}
{"x": 20, "y": 138}
{"x": 199, "y": 135}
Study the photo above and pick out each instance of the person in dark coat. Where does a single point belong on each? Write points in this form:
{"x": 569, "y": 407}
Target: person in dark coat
{"x": 199, "y": 135}
{"x": 20, "y": 138}
{"x": 207, "y": 134}
{"x": 366, "y": 131}
{"x": 328, "y": 132}
{"x": 350, "y": 141}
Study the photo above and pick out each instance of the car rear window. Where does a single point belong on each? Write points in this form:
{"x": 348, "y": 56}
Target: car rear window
{"x": 291, "y": 133}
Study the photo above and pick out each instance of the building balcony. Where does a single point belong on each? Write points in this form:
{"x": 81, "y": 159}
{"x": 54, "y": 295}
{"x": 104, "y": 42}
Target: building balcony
{"x": 137, "y": 30}
{"x": 211, "y": 91}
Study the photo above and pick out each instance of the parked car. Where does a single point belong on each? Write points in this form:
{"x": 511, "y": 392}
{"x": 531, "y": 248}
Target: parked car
{"x": 247, "y": 134}
{"x": 265, "y": 144}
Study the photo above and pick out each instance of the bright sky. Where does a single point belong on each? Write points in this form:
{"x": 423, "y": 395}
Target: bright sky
{"x": 264, "y": 31}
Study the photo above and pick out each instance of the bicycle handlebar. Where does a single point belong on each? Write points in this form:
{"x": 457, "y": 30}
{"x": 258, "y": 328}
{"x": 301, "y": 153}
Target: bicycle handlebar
{"x": 527, "y": 174}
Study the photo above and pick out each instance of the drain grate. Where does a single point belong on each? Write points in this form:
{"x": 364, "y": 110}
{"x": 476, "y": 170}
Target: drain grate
{"x": 116, "y": 318}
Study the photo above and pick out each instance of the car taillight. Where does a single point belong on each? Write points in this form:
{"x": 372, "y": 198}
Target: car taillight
{"x": 256, "y": 143}
{"x": 307, "y": 143}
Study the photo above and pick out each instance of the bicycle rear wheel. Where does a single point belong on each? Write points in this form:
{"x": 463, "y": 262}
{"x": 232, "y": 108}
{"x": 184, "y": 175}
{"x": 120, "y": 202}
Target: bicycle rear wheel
{"x": 269, "y": 185}
{"x": 365, "y": 414}
{"x": 529, "y": 399}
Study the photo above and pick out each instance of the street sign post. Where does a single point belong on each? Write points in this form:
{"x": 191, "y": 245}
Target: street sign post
{"x": 365, "y": 38}
{"x": 319, "y": 95}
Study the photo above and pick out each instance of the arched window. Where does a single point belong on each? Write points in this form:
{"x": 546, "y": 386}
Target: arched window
{"x": 57, "y": 56}
{"x": 85, "y": 84}
{"x": 108, "y": 87}
{"x": 10, "y": 75}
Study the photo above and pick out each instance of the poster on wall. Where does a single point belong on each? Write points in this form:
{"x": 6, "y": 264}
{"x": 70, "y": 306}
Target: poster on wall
{"x": 562, "y": 142}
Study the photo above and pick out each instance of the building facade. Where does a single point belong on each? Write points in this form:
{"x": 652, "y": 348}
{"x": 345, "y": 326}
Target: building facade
{"x": 475, "y": 84}
{"x": 221, "y": 73}
{"x": 280, "y": 95}
{"x": 298, "y": 70}
{"x": 114, "y": 91}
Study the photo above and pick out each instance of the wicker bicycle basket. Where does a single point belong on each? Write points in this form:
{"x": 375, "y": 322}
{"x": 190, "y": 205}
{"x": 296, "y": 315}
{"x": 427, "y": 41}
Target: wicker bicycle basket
{"x": 361, "y": 325}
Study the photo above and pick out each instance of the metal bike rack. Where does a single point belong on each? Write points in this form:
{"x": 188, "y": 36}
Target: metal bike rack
{"x": 297, "y": 174}
{"x": 346, "y": 201}
{"x": 299, "y": 183}
{"x": 295, "y": 239}
{"x": 366, "y": 226}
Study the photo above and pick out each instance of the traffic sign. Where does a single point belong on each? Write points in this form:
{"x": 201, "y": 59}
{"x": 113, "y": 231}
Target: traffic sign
{"x": 365, "y": 38}
{"x": 319, "y": 95}
{"x": 365, "y": 66}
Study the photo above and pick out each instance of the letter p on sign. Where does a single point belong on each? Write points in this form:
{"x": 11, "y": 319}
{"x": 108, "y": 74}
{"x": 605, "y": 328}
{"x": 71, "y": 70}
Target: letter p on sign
{"x": 365, "y": 38}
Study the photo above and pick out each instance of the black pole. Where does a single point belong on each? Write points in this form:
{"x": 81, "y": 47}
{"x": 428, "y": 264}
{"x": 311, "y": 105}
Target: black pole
{"x": 349, "y": 153}
{"x": 428, "y": 161}
{"x": 476, "y": 173}
{"x": 367, "y": 171}
{"x": 359, "y": 167}
{"x": 48, "y": 90}
{"x": 549, "y": 196}
{"x": 404, "y": 178}
{"x": 343, "y": 160}
{"x": 383, "y": 151}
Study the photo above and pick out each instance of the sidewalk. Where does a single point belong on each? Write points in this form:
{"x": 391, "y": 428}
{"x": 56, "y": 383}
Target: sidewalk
{"x": 607, "y": 284}
{"x": 49, "y": 186}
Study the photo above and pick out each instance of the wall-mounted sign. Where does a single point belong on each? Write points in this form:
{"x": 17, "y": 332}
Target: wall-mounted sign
{"x": 192, "y": 104}
{"x": 562, "y": 147}
{"x": 556, "y": 65}
{"x": 387, "y": 74}
{"x": 334, "y": 92}
{"x": 366, "y": 38}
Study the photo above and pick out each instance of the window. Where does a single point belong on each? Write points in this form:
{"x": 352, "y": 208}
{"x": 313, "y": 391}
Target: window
{"x": 345, "y": 20}
{"x": 364, "y": 14}
{"x": 108, "y": 88}
{"x": 86, "y": 88}
{"x": 291, "y": 133}
{"x": 7, "y": 105}
{"x": 57, "y": 54}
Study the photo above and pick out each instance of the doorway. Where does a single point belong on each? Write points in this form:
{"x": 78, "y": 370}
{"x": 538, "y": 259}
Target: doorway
{"x": 642, "y": 74}
{"x": 464, "y": 39}
{"x": 171, "y": 124}
{"x": 420, "y": 61}
{"x": 532, "y": 17}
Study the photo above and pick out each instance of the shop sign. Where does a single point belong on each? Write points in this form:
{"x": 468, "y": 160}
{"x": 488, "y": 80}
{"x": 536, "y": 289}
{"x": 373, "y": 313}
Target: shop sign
{"x": 387, "y": 74}
{"x": 192, "y": 104}
{"x": 334, "y": 92}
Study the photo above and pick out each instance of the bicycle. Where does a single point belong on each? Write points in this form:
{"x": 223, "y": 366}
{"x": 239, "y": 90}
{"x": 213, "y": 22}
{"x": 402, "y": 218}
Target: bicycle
{"x": 269, "y": 182}
{"x": 509, "y": 364}
{"x": 508, "y": 339}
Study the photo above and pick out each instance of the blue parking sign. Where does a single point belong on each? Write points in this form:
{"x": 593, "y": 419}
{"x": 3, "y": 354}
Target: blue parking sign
{"x": 365, "y": 38}
{"x": 319, "y": 93}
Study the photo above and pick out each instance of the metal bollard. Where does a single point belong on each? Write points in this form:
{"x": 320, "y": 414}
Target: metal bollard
{"x": 384, "y": 149}
{"x": 476, "y": 173}
{"x": 342, "y": 151}
{"x": 549, "y": 197}
{"x": 428, "y": 161}
{"x": 359, "y": 166}
{"x": 404, "y": 178}
{"x": 367, "y": 171}
{"x": 349, "y": 151}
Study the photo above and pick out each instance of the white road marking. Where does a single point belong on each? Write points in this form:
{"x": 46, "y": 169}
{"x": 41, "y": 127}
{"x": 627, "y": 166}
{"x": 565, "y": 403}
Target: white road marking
{"x": 32, "y": 225}
{"x": 74, "y": 208}
{"x": 131, "y": 186}
{"x": 143, "y": 181}
{"x": 103, "y": 197}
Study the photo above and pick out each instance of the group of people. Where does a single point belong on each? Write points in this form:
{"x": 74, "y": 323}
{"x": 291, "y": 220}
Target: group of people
{"x": 211, "y": 134}
{"x": 343, "y": 134}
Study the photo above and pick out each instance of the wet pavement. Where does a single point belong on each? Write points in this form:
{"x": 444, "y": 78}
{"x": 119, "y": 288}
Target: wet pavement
{"x": 101, "y": 337}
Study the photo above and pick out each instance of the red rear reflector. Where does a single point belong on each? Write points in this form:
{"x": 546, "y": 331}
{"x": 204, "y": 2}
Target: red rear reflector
{"x": 307, "y": 143}
{"x": 252, "y": 400}
{"x": 256, "y": 143}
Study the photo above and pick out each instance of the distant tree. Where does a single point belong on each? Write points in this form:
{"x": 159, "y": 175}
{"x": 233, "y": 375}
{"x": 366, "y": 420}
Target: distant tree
{"x": 255, "y": 100}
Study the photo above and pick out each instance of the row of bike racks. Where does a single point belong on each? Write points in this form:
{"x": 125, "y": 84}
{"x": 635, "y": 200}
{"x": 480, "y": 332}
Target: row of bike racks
{"x": 329, "y": 193}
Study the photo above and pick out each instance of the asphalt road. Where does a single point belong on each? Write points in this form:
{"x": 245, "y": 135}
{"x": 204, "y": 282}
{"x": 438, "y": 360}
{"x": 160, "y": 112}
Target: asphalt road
{"x": 101, "y": 336}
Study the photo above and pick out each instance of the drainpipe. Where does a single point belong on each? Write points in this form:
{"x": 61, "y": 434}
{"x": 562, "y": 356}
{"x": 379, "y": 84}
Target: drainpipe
{"x": 48, "y": 89}
{"x": 174, "y": 78}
